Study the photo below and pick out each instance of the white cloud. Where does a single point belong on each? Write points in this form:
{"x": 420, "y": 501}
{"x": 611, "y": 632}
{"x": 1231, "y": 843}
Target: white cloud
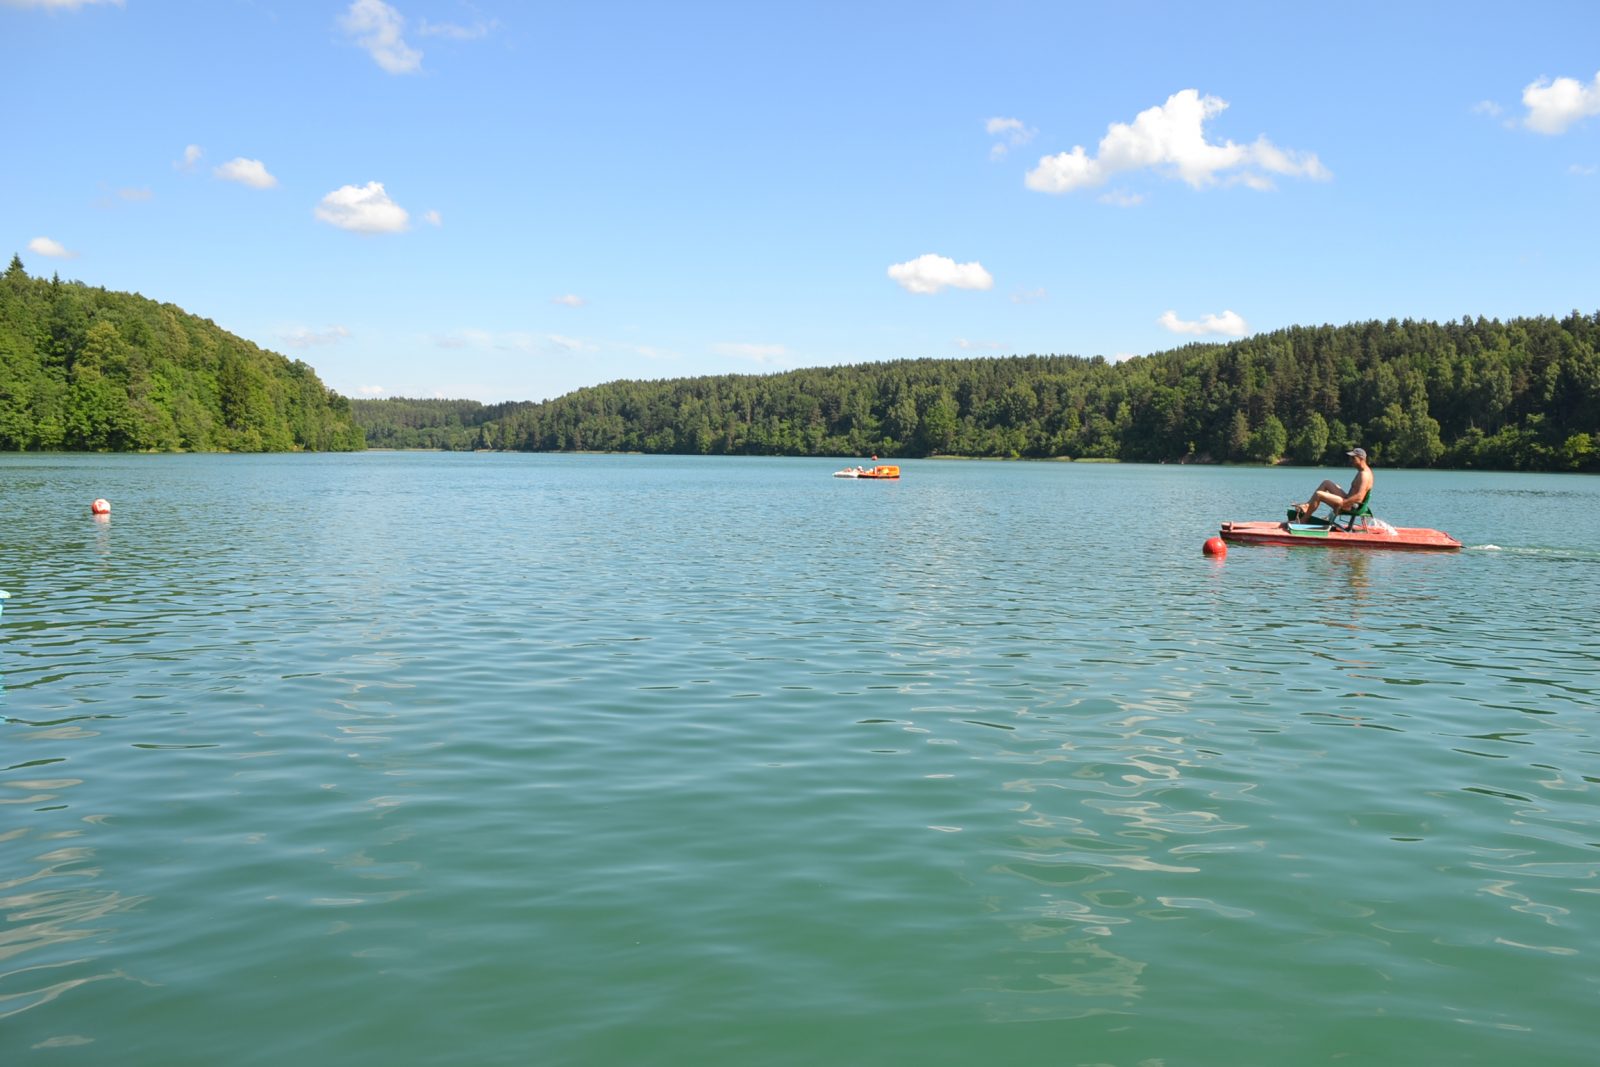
{"x": 453, "y": 32}
{"x": 1229, "y": 324}
{"x": 433, "y": 218}
{"x": 1555, "y": 105}
{"x": 515, "y": 341}
{"x": 764, "y": 354}
{"x": 1171, "y": 138}
{"x": 1121, "y": 198}
{"x": 191, "y": 156}
{"x": 251, "y": 172}
{"x": 363, "y": 209}
{"x": 570, "y": 344}
{"x": 57, "y": 5}
{"x": 982, "y": 346}
{"x": 930, "y": 273}
{"x": 1012, "y": 133}
{"x": 136, "y": 194}
{"x": 377, "y": 27}
{"x": 1030, "y": 296}
{"x": 1583, "y": 170}
{"x": 304, "y": 337}
{"x": 44, "y": 246}
{"x": 1488, "y": 108}
{"x": 371, "y": 390}
{"x": 571, "y": 300}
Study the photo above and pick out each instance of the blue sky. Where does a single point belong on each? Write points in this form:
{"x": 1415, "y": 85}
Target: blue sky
{"x": 508, "y": 201}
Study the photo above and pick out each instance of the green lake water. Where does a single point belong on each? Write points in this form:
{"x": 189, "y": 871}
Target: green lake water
{"x": 395, "y": 759}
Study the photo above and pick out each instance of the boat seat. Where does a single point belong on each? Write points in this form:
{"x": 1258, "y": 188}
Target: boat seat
{"x": 1356, "y": 518}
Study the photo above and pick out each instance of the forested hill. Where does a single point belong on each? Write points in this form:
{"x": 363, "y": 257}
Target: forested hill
{"x": 1517, "y": 395}
{"x": 87, "y": 369}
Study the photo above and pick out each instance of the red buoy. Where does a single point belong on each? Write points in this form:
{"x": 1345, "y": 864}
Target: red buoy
{"x": 1215, "y": 546}
{"x": 101, "y": 506}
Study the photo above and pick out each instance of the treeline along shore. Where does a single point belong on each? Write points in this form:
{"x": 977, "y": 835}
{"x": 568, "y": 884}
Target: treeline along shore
{"x": 1478, "y": 393}
{"x": 86, "y": 369}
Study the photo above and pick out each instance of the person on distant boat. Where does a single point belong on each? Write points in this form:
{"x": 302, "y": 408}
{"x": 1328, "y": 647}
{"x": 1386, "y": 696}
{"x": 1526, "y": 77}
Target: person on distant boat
{"x": 1331, "y": 494}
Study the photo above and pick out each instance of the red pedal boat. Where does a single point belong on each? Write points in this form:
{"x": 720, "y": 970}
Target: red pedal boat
{"x": 1357, "y": 530}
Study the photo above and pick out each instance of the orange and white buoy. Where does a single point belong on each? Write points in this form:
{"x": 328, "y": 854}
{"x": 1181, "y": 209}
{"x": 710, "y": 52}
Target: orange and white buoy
{"x": 102, "y": 506}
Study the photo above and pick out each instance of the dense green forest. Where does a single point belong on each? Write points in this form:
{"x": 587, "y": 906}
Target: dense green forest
{"x": 84, "y": 368}
{"x": 92, "y": 370}
{"x": 1517, "y": 395}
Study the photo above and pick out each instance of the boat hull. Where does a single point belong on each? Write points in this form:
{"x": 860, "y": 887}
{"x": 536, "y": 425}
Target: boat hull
{"x": 1320, "y": 536}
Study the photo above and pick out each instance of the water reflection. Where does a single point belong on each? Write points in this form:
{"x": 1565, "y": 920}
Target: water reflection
{"x": 1064, "y": 973}
{"x": 1124, "y": 816}
{"x": 49, "y": 903}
